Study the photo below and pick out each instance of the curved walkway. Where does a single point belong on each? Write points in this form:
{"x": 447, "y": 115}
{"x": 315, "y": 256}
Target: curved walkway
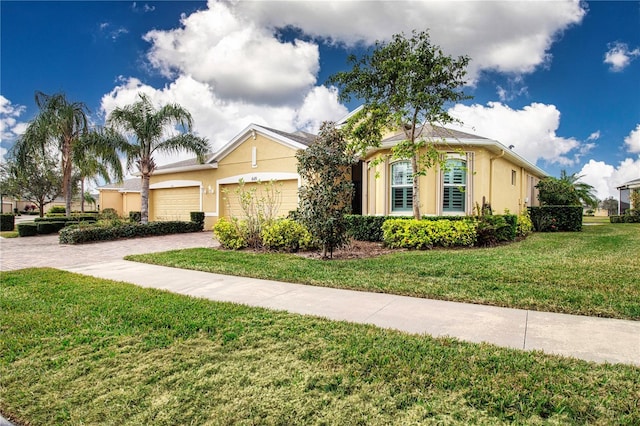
{"x": 588, "y": 338}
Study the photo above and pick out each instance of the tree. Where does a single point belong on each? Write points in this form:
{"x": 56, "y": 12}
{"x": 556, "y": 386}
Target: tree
{"x": 96, "y": 155}
{"x": 37, "y": 179}
{"x": 405, "y": 84}
{"x": 148, "y": 126}
{"x": 610, "y": 205}
{"x": 59, "y": 125}
{"x": 583, "y": 191}
{"x": 327, "y": 190}
{"x": 556, "y": 192}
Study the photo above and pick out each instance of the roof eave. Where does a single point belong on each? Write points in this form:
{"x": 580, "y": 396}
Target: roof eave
{"x": 192, "y": 168}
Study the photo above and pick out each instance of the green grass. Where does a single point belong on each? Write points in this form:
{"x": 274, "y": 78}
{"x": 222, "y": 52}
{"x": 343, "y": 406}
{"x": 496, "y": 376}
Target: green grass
{"x": 9, "y": 234}
{"x": 595, "y": 219}
{"x": 80, "y": 350}
{"x": 594, "y": 272}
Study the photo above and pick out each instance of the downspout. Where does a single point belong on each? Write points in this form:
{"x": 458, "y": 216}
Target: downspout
{"x": 491, "y": 160}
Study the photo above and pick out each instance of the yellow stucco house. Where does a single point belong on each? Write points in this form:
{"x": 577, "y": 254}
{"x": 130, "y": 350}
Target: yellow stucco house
{"x": 477, "y": 168}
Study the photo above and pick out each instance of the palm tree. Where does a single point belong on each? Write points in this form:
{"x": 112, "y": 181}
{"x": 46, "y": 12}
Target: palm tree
{"x": 148, "y": 126}
{"x": 59, "y": 125}
{"x": 96, "y": 155}
{"x": 584, "y": 191}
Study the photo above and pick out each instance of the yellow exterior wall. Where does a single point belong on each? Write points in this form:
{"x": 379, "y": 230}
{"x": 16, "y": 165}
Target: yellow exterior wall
{"x": 490, "y": 180}
{"x": 271, "y": 157}
{"x": 122, "y": 202}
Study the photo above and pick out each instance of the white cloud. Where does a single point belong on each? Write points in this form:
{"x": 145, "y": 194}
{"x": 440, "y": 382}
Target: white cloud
{"x": 220, "y": 120}
{"x": 531, "y": 130}
{"x": 619, "y": 56}
{"x": 605, "y": 177}
{"x": 510, "y": 37}
{"x": 10, "y": 126}
{"x": 632, "y": 141}
{"x": 237, "y": 58}
{"x": 594, "y": 136}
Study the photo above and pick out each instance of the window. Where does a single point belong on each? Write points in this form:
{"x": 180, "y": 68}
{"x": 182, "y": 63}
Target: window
{"x": 401, "y": 187}
{"x": 513, "y": 177}
{"x": 454, "y": 186}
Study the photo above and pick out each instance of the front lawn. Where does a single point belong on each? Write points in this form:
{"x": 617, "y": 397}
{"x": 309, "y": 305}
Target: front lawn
{"x": 80, "y": 350}
{"x": 594, "y": 272}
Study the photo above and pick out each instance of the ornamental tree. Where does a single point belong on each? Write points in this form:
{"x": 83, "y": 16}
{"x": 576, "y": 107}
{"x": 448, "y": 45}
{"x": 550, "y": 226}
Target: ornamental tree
{"x": 404, "y": 84}
{"x": 327, "y": 190}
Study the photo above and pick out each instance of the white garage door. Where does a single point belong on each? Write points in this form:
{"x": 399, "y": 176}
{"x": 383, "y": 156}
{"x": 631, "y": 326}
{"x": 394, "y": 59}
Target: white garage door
{"x": 287, "y": 196}
{"x": 174, "y": 203}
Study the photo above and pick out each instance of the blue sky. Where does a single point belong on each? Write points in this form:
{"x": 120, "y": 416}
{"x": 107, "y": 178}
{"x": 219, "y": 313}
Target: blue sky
{"x": 559, "y": 80}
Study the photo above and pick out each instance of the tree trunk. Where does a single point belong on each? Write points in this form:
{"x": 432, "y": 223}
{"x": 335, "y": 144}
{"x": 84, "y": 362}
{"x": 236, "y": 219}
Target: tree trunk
{"x": 82, "y": 195}
{"x": 416, "y": 187}
{"x": 144, "y": 199}
{"x": 66, "y": 176}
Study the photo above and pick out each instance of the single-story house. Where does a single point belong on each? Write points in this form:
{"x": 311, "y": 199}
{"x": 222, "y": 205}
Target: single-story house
{"x": 624, "y": 202}
{"x": 124, "y": 197}
{"x": 477, "y": 169}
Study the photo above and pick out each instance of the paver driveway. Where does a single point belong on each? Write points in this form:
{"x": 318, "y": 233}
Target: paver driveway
{"x": 44, "y": 250}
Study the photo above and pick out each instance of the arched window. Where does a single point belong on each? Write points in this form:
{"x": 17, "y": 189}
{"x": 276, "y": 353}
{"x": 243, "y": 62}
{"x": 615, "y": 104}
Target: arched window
{"x": 454, "y": 186}
{"x": 401, "y": 186}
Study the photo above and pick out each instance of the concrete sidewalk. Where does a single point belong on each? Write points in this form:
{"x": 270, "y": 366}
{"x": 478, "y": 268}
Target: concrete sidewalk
{"x": 587, "y": 338}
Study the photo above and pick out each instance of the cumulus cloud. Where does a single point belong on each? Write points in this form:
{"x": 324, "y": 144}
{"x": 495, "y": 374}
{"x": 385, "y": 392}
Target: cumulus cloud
{"x": 594, "y": 136}
{"x": 10, "y": 126}
{"x": 619, "y": 56}
{"x": 605, "y": 178}
{"x": 531, "y": 130}
{"x": 236, "y": 57}
{"x": 219, "y": 120}
{"x": 510, "y": 37}
{"x": 632, "y": 141}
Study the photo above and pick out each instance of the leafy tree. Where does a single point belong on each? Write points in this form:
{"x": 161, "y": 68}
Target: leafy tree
{"x": 584, "y": 191}
{"x": 634, "y": 199}
{"x": 557, "y": 192}
{"x": 405, "y": 84}
{"x": 60, "y": 124}
{"x": 610, "y": 205}
{"x": 327, "y": 190}
{"x": 148, "y": 126}
{"x": 37, "y": 178}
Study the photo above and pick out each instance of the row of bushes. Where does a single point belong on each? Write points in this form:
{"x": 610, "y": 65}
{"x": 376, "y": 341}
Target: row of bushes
{"x": 31, "y": 229}
{"x": 631, "y": 216}
{"x": 396, "y": 232}
{"x": 78, "y": 234}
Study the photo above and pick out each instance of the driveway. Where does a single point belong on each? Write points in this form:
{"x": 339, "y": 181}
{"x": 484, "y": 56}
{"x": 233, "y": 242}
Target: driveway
{"x": 44, "y": 250}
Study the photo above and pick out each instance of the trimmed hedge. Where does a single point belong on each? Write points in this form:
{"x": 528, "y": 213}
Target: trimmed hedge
{"x": 426, "y": 234}
{"x": 72, "y": 218}
{"x": 627, "y": 218}
{"x": 556, "y": 218}
{"x": 197, "y": 217}
{"x": 7, "y": 222}
{"x": 84, "y": 234}
{"x": 27, "y": 229}
{"x": 45, "y": 228}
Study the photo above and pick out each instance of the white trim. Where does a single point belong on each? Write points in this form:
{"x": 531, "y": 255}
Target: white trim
{"x": 175, "y": 184}
{"x": 192, "y": 168}
{"x": 258, "y": 177}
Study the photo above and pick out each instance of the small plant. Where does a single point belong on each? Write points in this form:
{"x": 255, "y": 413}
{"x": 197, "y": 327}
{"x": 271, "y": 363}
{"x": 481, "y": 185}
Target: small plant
{"x": 231, "y": 234}
{"x": 57, "y": 209}
{"x": 109, "y": 213}
{"x": 197, "y": 217}
{"x": 287, "y": 235}
{"x": 525, "y": 225}
{"x": 135, "y": 217}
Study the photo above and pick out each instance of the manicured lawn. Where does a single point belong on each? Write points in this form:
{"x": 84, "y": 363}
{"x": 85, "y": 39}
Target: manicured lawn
{"x": 9, "y": 234}
{"x": 80, "y": 350}
{"x": 594, "y": 272}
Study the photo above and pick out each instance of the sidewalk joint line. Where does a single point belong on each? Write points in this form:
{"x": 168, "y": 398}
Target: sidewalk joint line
{"x": 526, "y": 325}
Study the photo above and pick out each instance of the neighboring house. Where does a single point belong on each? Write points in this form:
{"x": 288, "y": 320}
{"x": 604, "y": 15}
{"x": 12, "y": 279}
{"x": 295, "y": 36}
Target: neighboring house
{"x": 124, "y": 197}
{"x": 9, "y": 204}
{"x": 477, "y": 169}
{"x": 625, "y": 195}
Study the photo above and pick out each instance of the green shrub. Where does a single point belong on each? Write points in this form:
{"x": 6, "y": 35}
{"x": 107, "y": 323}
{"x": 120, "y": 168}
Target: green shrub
{"x": 197, "y": 217}
{"x": 27, "y": 229}
{"x": 556, "y": 218}
{"x": 426, "y": 234}
{"x": 135, "y": 217}
{"x": 524, "y": 226}
{"x": 492, "y": 230}
{"x": 7, "y": 222}
{"x": 45, "y": 228}
{"x": 614, "y": 218}
{"x": 631, "y": 218}
{"x": 109, "y": 213}
{"x": 57, "y": 209}
{"x": 231, "y": 235}
{"x": 82, "y": 233}
{"x": 287, "y": 235}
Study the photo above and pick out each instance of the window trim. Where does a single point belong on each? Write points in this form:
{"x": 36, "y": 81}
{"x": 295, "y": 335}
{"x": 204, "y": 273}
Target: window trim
{"x": 407, "y": 196}
{"x": 465, "y": 172}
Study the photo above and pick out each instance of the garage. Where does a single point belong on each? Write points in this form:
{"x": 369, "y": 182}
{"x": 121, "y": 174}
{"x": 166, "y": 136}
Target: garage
{"x": 230, "y": 201}
{"x": 174, "y": 203}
